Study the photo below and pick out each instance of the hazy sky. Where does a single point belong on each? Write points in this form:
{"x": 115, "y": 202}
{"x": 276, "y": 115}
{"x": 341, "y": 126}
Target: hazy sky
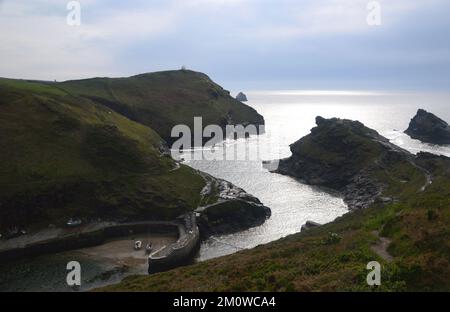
{"x": 242, "y": 44}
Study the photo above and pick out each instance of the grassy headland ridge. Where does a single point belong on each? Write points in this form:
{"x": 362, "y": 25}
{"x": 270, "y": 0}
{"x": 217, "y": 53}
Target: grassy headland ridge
{"x": 404, "y": 226}
{"x": 164, "y": 99}
{"x": 95, "y": 148}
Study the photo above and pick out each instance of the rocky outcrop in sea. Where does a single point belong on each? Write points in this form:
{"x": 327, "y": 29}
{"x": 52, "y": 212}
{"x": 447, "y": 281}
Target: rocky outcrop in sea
{"x": 241, "y": 97}
{"x": 429, "y": 128}
{"x": 346, "y": 156}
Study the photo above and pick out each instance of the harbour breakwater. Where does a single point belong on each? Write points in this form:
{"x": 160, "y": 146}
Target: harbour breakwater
{"x": 179, "y": 253}
{"x": 60, "y": 240}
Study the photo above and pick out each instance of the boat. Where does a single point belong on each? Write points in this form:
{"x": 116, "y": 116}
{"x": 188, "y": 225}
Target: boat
{"x": 137, "y": 245}
{"x": 148, "y": 248}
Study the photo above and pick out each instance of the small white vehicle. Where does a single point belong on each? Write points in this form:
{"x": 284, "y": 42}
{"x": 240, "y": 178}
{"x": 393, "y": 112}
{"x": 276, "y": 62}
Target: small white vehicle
{"x": 137, "y": 245}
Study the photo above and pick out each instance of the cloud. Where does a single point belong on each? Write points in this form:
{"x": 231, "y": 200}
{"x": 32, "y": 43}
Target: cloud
{"x": 38, "y": 43}
{"x": 245, "y": 40}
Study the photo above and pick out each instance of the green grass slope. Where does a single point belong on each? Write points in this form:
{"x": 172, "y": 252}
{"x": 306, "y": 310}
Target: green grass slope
{"x": 333, "y": 257}
{"x": 164, "y": 99}
{"x": 409, "y": 235}
{"x": 64, "y": 155}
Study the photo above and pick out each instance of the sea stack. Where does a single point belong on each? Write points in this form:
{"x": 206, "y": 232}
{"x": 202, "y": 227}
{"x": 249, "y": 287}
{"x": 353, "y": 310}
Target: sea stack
{"x": 241, "y": 97}
{"x": 429, "y": 128}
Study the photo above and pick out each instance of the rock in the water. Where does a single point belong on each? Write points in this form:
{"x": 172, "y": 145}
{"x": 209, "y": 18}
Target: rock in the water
{"x": 429, "y": 128}
{"x": 309, "y": 225}
{"x": 241, "y": 97}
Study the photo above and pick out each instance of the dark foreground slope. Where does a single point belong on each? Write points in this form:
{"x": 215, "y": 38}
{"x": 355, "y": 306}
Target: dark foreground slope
{"x": 164, "y": 99}
{"x": 409, "y": 235}
{"x": 65, "y": 154}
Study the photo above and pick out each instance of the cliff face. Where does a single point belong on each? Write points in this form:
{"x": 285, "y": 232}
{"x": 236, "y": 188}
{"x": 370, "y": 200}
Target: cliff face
{"x": 429, "y": 128}
{"x": 346, "y": 156}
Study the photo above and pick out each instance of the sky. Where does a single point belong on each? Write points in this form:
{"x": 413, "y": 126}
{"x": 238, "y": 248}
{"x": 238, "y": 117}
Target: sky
{"x": 241, "y": 44}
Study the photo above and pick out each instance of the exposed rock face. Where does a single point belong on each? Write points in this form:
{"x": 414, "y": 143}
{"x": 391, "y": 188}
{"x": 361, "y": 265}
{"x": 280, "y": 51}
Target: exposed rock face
{"x": 232, "y": 209}
{"x": 343, "y": 155}
{"x": 429, "y": 128}
{"x": 241, "y": 97}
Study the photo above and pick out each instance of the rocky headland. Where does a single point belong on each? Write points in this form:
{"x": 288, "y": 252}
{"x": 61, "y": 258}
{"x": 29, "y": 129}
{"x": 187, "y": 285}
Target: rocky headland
{"x": 227, "y": 208}
{"x": 347, "y": 156}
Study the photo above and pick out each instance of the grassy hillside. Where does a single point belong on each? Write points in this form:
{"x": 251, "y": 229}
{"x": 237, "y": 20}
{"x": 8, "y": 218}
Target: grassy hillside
{"x": 65, "y": 155}
{"x": 164, "y": 99}
{"x": 333, "y": 257}
{"x": 408, "y": 234}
